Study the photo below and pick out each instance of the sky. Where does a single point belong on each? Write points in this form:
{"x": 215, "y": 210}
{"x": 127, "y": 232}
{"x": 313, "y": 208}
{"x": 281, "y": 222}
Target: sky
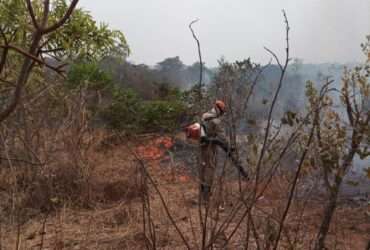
{"x": 322, "y": 31}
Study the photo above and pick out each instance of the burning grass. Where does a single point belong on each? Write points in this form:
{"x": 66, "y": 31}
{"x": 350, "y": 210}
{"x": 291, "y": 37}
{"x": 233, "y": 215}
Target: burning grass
{"x": 154, "y": 149}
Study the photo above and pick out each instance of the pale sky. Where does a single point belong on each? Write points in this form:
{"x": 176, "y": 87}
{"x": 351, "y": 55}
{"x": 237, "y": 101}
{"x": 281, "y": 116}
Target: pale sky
{"x": 321, "y": 30}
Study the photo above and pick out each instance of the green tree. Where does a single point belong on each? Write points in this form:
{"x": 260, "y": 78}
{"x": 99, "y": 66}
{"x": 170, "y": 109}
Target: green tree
{"x": 172, "y": 70}
{"x": 35, "y": 35}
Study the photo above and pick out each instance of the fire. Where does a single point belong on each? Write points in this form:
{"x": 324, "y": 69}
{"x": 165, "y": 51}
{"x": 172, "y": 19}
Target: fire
{"x": 155, "y": 149}
{"x": 184, "y": 178}
{"x": 165, "y": 142}
{"x": 149, "y": 152}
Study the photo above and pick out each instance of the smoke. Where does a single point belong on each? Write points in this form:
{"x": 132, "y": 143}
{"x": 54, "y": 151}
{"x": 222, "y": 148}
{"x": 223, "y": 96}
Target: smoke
{"x": 321, "y": 31}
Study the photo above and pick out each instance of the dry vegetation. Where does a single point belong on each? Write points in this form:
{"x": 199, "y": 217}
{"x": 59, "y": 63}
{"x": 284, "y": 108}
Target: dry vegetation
{"x": 114, "y": 218}
{"x": 69, "y": 182}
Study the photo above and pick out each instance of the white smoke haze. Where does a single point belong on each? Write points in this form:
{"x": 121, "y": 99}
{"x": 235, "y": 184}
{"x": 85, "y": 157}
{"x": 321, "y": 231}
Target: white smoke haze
{"x": 321, "y": 31}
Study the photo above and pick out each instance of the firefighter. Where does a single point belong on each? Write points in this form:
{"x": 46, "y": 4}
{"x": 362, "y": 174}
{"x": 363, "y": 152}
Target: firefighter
{"x": 212, "y": 135}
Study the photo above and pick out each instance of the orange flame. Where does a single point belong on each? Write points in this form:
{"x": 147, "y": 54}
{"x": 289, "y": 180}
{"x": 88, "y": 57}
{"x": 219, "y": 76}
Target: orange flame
{"x": 155, "y": 149}
{"x": 184, "y": 178}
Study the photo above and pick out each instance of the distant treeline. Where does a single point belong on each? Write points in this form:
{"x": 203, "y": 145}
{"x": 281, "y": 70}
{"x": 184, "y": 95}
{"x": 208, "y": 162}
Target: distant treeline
{"x": 150, "y": 81}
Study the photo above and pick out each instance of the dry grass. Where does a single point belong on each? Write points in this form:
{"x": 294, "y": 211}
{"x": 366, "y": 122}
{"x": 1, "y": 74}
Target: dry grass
{"x": 113, "y": 216}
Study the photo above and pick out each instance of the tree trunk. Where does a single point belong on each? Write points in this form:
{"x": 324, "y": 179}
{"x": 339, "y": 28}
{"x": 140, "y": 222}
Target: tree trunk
{"x": 328, "y": 215}
{"x": 23, "y": 77}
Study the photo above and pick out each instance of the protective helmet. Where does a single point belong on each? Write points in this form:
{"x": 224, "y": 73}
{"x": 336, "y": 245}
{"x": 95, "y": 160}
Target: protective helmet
{"x": 221, "y": 106}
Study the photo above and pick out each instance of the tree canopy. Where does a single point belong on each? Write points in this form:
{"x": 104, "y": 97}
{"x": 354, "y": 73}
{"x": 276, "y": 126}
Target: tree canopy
{"x": 52, "y": 34}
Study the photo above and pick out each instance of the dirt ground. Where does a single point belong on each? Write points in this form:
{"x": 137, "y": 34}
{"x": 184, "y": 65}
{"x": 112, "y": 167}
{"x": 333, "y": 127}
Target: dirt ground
{"x": 117, "y": 222}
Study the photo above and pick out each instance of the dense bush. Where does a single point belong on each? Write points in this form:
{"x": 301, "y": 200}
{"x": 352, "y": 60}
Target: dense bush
{"x": 88, "y": 75}
{"x": 129, "y": 112}
{"x": 121, "y": 113}
{"x": 123, "y": 108}
{"x": 161, "y": 115}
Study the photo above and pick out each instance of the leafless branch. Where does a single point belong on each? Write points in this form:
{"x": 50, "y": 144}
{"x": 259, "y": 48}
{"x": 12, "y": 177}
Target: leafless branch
{"x": 293, "y": 188}
{"x": 254, "y": 83}
{"x": 200, "y": 58}
{"x": 282, "y": 74}
{"x": 51, "y": 50}
{"x": 3, "y": 58}
{"x": 275, "y": 57}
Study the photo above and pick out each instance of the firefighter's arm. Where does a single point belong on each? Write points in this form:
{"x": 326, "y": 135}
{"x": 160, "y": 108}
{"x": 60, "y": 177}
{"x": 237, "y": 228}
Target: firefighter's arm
{"x": 207, "y": 117}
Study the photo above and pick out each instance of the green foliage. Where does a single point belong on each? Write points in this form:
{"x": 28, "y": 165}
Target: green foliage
{"x": 122, "y": 108}
{"x": 193, "y": 104}
{"x": 128, "y": 112}
{"x": 82, "y": 37}
{"x": 167, "y": 92}
{"x": 13, "y": 17}
{"x": 290, "y": 118}
{"x": 122, "y": 112}
{"x": 172, "y": 64}
{"x": 88, "y": 75}
{"x": 342, "y": 133}
{"x": 161, "y": 115}
{"x": 311, "y": 93}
